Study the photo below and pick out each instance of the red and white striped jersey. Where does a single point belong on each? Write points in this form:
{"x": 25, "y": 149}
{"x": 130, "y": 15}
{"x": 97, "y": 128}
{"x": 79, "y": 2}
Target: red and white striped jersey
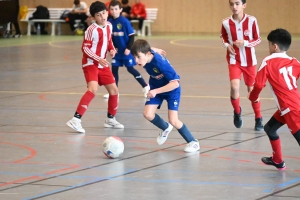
{"x": 97, "y": 42}
{"x": 246, "y": 30}
{"x": 282, "y": 72}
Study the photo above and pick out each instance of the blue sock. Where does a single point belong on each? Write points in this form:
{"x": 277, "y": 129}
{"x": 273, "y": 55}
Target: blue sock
{"x": 159, "y": 122}
{"x": 186, "y": 134}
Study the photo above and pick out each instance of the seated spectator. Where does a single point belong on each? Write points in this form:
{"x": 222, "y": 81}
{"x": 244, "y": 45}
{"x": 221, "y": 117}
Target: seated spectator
{"x": 41, "y": 12}
{"x": 79, "y": 11}
{"x": 107, "y": 8}
{"x": 138, "y": 11}
{"x": 126, "y": 8}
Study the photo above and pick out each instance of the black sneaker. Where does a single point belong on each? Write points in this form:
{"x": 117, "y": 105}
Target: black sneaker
{"x": 269, "y": 161}
{"x": 258, "y": 124}
{"x": 237, "y": 119}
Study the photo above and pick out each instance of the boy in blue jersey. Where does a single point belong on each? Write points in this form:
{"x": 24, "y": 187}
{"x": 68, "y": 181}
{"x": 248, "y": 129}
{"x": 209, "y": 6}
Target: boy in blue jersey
{"x": 123, "y": 38}
{"x": 164, "y": 85}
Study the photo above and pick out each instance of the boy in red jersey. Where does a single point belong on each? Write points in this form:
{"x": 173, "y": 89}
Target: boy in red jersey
{"x": 240, "y": 34}
{"x": 97, "y": 42}
{"x": 282, "y": 72}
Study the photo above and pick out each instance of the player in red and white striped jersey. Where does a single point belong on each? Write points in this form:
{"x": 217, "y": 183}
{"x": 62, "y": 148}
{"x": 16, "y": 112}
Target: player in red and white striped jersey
{"x": 97, "y": 43}
{"x": 282, "y": 72}
{"x": 240, "y": 34}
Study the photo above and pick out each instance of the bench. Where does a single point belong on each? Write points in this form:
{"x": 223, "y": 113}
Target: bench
{"x": 55, "y": 20}
{"x": 151, "y": 16}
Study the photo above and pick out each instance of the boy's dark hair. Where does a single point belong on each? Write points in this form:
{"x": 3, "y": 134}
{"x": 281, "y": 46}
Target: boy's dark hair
{"x": 96, "y": 7}
{"x": 124, "y": 1}
{"x": 115, "y": 3}
{"x": 243, "y": 1}
{"x": 281, "y": 37}
{"x": 76, "y": 2}
{"x": 140, "y": 46}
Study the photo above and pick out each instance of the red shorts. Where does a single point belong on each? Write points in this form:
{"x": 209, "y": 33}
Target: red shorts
{"x": 103, "y": 76}
{"x": 291, "y": 119}
{"x": 249, "y": 73}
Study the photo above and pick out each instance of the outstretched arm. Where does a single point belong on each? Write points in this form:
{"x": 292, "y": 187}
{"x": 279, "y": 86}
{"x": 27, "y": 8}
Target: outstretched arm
{"x": 159, "y": 51}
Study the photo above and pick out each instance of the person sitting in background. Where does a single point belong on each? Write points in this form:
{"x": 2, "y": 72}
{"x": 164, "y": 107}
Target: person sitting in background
{"x": 138, "y": 11}
{"x": 126, "y": 8}
{"x": 79, "y": 11}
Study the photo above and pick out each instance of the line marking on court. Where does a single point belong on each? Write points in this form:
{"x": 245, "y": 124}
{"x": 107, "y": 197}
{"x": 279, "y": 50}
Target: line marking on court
{"x": 81, "y": 93}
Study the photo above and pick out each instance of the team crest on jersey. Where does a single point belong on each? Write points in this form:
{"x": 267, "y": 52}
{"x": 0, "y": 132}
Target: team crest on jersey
{"x": 246, "y": 32}
{"x": 119, "y": 26}
{"x": 155, "y": 70}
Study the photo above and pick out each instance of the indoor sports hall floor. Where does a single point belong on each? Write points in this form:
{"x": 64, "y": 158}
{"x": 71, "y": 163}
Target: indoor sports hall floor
{"x": 41, "y": 82}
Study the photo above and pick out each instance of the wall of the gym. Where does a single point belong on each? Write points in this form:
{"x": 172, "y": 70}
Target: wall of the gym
{"x": 205, "y": 16}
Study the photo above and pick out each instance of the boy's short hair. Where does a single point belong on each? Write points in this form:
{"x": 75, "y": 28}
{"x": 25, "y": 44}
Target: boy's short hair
{"x": 115, "y": 3}
{"x": 76, "y": 2}
{"x": 124, "y": 1}
{"x": 243, "y": 1}
{"x": 140, "y": 46}
{"x": 281, "y": 37}
{"x": 96, "y": 7}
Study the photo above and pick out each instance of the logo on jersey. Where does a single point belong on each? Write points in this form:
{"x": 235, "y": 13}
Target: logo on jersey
{"x": 155, "y": 70}
{"x": 130, "y": 61}
{"x": 119, "y": 26}
{"x": 246, "y": 32}
{"x": 158, "y": 76}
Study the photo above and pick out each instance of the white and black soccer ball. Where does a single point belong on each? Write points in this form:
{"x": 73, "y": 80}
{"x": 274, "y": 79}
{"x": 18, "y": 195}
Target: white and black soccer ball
{"x": 113, "y": 147}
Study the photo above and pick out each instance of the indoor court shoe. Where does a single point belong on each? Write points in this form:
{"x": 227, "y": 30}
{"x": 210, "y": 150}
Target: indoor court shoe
{"x": 146, "y": 90}
{"x": 75, "y": 124}
{"x": 193, "y": 146}
{"x": 113, "y": 123}
{"x": 269, "y": 161}
{"x": 258, "y": 124}
{"x": 237, "y": 119}
{"x": 107, "y": 95}
{"x": 162, "y": 137}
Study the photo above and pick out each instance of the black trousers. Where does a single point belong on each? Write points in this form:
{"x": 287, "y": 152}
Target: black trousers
{"x": 72, "y": 17}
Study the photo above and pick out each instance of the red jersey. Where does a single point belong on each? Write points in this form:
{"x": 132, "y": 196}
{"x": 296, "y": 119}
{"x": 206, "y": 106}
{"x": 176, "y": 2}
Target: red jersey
{"x": 246, "y": 30}
{"x": 139, "y": 9}
{"x": 282, "y": 72}
{"x": 97, "y": 42}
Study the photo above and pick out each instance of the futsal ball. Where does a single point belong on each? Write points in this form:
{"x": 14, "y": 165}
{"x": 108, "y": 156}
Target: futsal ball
{"x": 113, "y": 147}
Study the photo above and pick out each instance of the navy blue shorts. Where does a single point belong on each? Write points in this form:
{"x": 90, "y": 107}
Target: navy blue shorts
{"x": 172, "y": 98}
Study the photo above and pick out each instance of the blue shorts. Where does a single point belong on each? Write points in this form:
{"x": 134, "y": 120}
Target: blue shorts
{"x": 172, "y": 98}
{"x": 127, "y": 62}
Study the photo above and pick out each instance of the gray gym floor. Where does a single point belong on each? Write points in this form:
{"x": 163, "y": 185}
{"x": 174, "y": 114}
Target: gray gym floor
{"x": 41, "y": 83}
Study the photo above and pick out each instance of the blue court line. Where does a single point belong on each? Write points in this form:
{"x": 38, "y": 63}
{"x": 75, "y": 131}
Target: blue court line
{"x": 76, "y": 186}
{"x": 282, "y": 185}
{"x": 116, "y": 177}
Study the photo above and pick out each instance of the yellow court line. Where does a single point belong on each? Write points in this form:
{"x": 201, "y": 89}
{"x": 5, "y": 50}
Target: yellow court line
{"x": 174, "y": 42}
{"x": 80, "y": 93}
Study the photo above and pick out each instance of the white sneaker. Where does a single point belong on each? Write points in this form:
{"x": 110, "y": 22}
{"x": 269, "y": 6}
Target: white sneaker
{"x": 112, "y": 123}
{"x": 107, "y": 95}
{"x": 75, "y": 124}
{"x": 162, "y": 137}
{"x": 139, "y": 33}
{"x": 193, "y": 146}
{"x": 146, "y": 90}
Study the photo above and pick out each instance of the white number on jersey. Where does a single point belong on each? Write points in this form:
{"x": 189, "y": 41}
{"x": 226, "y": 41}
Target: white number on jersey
{"x": 287, "y": 71}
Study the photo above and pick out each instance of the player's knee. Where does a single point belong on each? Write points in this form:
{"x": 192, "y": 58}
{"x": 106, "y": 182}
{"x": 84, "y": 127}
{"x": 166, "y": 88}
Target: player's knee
{"x": 93, "y": 90}
{"x": 297, "y": 136}
{"x": 272, "y": 133}
{"x": 149, "y": 116}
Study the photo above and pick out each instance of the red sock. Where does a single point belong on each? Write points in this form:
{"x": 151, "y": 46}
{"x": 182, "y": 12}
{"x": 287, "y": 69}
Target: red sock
{"x": 113, "y": 101}
{"x": 256, "y": 108}
{"x": 84, "y": 102}
{"x": 277, "y": 154}
{"x": 236, "y": 105}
